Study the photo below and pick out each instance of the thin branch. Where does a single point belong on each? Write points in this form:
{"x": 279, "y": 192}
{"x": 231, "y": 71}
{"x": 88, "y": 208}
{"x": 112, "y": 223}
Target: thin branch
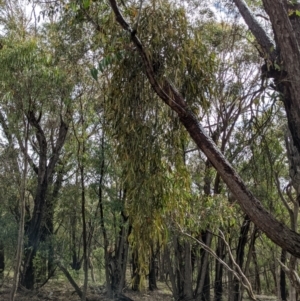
{"x": 283, "y": 199}
{"x": 71, "y": 280}
{"x": 247, "y": 284}
{"x": 240, "y": 276}
{"x": 292, "y": 275}
{"x": 25, "y": 153}
{"x": 136, "y": 25}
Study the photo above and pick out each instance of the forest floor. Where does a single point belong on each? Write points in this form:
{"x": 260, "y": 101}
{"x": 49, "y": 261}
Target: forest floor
{"x": 63, "y": 291}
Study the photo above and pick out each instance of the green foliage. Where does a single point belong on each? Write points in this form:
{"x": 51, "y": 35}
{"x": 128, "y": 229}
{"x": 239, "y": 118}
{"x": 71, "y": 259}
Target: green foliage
{"x": 33, "y": 68}
{"x": 149, "y": 142}
{"x": 134, "y": 152}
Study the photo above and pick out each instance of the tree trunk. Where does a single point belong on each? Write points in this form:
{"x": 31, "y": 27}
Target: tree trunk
{"x": 49, "y": 224}
{"x": 153, "y": 269}
{"x": 122, "y": 254}
{"x": 172, "y": 275}
{"x": 136, "y": 278}
{"x": 240, "y": 255}
{"x": 21, "y": 226}
{"x": 116, "y": 264}
{"x": 257, "y": 286}
{"x": 251, "y": 249}
{"x": 2, "y": 261}
{"x": 279, "y": 233}
{"x": 218, "y": 285}
{"x": 230, "y": 283}
{"x": 33, "y": 230}
{"x": 282, "y": 281}
{"x": 180, "y": 271}
{"x": 162, "y": 268}
{"x": 188, "y": 272}
{"x": 84, "y": 235}
{"x": 202, "y": 290}
{"x": 76, "y": 262}
{"x": 34, "y": 227}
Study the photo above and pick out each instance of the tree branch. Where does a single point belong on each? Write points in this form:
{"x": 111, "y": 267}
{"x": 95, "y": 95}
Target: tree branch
{"x": 240, "y": 276}
{"x": 71, "y": 280}
{"x": 263, "y": 39}
{"x": 42, "y": 143}
{"x": 63, "y": 130}
{"x": 275, "y": 230}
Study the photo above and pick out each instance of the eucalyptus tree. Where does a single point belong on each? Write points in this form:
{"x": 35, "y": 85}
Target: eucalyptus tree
{"x": 158, "y": 58}
{"x": 283, "y": 58}
{"x": 169, "y": 57}
{"x": 132, "y": 134}
{"x": 164, "y": 87}
{"x": 25, "y": 55}
{"x": 150, "y": 154}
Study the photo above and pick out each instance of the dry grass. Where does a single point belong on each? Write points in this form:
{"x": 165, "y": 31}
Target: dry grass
{"x": 63, "y": 291}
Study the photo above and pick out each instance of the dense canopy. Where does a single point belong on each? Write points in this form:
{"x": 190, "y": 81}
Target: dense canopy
{"x": 149, "y": 141}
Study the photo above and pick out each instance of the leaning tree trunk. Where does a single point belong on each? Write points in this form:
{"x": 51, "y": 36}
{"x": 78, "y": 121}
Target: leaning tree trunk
{"x": 287, "y": 81}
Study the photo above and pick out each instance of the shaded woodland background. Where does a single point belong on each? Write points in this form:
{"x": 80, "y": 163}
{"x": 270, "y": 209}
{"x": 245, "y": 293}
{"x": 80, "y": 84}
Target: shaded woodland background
{"x": 103, "y": 190}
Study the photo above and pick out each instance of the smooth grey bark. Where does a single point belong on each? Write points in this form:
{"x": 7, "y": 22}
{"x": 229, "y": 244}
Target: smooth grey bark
{"x": 279, "y": 233}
